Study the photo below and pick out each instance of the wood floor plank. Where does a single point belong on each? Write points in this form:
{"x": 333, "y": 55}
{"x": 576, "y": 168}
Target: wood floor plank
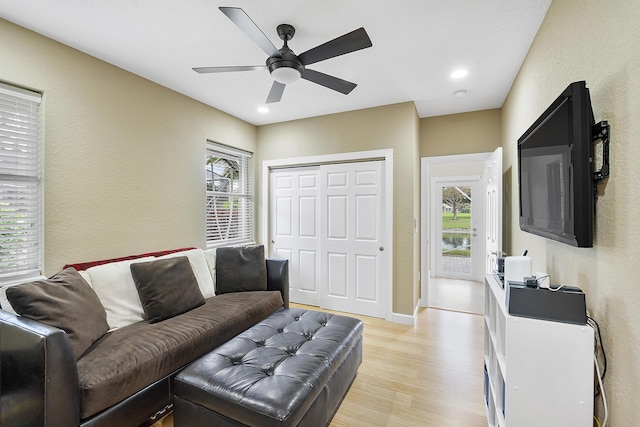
{"x": 429, "y": 374}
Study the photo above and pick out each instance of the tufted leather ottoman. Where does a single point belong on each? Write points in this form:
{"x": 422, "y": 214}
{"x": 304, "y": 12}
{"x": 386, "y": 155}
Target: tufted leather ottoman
{"x": 292, "y": 369}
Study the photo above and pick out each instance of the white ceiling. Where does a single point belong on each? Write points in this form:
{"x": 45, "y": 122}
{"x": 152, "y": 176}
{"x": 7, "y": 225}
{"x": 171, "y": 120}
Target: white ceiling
{"x": 416, "y": 46}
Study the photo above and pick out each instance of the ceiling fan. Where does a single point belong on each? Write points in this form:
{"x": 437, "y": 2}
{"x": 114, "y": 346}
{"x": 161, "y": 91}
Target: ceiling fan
{"x": 285, "y": 66}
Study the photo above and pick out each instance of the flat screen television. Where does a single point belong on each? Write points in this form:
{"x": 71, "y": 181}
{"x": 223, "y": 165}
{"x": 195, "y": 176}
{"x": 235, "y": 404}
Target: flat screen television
{"x": 555, "y": 170}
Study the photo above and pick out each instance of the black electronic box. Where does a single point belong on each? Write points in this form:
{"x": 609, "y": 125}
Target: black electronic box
{"x": 567, "y": 304}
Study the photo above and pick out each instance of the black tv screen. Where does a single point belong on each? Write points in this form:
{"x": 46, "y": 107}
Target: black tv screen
{"x": 555, "y": 170}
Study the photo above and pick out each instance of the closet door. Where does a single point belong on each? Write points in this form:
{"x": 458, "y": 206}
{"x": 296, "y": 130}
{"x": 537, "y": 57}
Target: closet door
{"x": 352, "y": 262}
{"x": 328, "y": 222}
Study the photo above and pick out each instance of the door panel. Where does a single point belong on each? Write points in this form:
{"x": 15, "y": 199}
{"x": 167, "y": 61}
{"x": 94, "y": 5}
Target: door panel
{"x": 284, "y": 220}
{"x": 367, "y": 268}
{"x": 337, "y": 275}
{"x": 353, "y": 237}
{"x": 308, "y": 220}
{"x": 366, "y": 225}
{"x": 295, "y": 214}
{"x": 336, "y": 180}
{"x": 308, "y": 273}
{"x": 336, "y": 217}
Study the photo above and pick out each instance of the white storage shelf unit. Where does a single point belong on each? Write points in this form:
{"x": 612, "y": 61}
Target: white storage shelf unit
{"x": 537, "y": 372}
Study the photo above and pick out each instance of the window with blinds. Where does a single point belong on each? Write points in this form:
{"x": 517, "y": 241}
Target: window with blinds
{"x": 229, "y": 209}
{"x": 20, "y": 195}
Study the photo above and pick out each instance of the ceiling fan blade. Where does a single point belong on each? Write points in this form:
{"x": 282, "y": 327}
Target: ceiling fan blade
{"x": 205, "y": 70}
{"x": 350, "y": 42}
{"x": 242, "y": 21}
{"x": 275, "y": 94}
{"x": 331, "y": 82}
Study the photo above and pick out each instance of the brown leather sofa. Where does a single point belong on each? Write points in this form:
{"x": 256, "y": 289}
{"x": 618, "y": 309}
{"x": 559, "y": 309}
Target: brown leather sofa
{"x": 126, "y": 379}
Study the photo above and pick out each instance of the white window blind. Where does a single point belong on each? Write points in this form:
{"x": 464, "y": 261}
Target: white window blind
{"x": 20, "y": 200}
{"x": 229, "y": 208}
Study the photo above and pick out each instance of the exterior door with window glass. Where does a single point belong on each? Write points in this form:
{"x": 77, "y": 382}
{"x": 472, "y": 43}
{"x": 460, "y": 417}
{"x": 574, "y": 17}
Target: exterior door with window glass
{"x": 229, "y": 208}
{"x": 458, "y": 228}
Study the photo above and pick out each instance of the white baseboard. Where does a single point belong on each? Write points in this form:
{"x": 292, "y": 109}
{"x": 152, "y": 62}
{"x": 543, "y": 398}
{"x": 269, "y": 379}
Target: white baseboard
{"x": 403, "y": 319}
{"x": 406, "y": 319}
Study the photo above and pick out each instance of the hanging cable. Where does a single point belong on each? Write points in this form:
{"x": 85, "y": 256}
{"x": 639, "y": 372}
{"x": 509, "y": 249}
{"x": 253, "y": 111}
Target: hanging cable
{"x": 604, "y": 398}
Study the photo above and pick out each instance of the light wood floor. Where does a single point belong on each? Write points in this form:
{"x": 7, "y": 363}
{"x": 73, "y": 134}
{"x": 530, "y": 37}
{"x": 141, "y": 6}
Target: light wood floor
{"x": 458, "y": 295}
{"x": 427, "y": 375}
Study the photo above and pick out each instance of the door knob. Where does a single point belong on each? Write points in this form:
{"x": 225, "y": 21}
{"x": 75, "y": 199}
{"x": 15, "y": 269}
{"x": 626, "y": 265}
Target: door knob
{"x": 381, "y": 248}
{"x": 273, "y": 241}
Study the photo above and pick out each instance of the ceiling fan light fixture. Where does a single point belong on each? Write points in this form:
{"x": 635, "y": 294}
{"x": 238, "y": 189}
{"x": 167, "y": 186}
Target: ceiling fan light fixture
{"x": 286, "y": 75}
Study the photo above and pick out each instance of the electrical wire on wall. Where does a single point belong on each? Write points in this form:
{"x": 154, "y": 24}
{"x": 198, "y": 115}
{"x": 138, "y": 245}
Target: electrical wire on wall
{"x": 598, "y": 344}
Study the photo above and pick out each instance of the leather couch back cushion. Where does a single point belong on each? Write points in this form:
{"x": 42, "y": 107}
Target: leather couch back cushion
{"x": 240, "y": 269}
{"x": 65, "y": 301}
{"x": 167, "y": 287}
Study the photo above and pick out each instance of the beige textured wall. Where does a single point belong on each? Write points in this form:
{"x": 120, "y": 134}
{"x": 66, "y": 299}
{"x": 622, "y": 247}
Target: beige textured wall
{"x": 598, "y": 42}
{"x": 393, "y": 126}
{"x": 123, "y": 163}
{"x": 464, "y": 133}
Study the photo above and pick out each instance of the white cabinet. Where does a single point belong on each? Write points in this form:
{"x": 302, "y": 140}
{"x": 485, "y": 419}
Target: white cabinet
{"x": 537, "y": 372}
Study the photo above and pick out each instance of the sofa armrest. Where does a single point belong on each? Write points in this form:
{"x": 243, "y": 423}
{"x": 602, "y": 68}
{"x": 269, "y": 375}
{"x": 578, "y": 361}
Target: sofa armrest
{"x": 278, "y": 278}
{"x": 38, "y": 375}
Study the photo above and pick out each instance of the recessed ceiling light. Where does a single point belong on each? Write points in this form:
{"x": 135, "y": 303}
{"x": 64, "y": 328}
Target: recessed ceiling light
{"x": 460, "y": 93}
{"x": 263, "y": 110}
{"x": 458, "y": 74}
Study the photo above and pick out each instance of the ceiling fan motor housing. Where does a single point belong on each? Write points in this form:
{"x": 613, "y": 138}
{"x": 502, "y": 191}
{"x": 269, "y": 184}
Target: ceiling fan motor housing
{"x": 286, "y": 69}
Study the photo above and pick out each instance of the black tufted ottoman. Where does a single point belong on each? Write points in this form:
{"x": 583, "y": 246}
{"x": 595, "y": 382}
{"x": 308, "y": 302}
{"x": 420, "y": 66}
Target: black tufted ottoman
{"x": 292, "y": 369}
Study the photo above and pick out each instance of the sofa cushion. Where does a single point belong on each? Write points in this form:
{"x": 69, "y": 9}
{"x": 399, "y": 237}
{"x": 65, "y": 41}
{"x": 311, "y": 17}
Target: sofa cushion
{"x": 117, "y": 291}
{"x": 200, "y": 269}
{"x": 210, "y": 256}
{"x": 85, "y": 276}
{"x": 65, "y": 301}
{"x": 127, "y": 360}
{"x": 4, "y": 302}
{"x": 240, "y": 269}
{"x": 167, "y": 287}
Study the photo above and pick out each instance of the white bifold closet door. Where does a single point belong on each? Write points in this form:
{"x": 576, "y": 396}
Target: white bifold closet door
{"x": 328, "y": 222}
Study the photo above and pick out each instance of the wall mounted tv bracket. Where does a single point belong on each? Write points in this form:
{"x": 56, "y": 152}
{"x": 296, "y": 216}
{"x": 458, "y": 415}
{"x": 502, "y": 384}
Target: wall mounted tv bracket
{"x": 600, "y": 132}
